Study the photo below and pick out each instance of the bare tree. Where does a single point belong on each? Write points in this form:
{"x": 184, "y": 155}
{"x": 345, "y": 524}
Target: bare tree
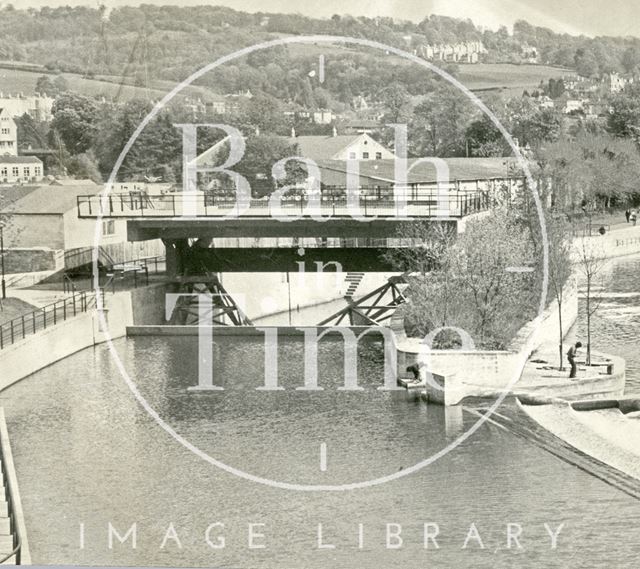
{"x": 559, "y": 240}
{"x": 422, "y": 246}
{"x": 591, "y": 262}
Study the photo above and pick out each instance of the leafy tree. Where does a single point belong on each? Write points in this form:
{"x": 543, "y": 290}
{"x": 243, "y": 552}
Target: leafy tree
{"x": 439, "y": 123}
{"x": 586, "y": 63}
{"x": 631, "y": 59}
{"x": 397, "y": 103}
{"x": 84, "y": 166}
{"x": 623, "y": 119}
{"x": 261, "y": 153}
{"x": 51, "y": 87}
{"x": 262, "y": 112}
{"x": 500, "y": 301}
{"x": 485, "y": 139}
{"x": 75, "y": 119}
{"x": 158, "y": 145}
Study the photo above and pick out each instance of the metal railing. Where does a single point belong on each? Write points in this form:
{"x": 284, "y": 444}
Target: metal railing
{"x": 142, "y": 267}
{"x": 370, "y": 201}
{"x": 45, "y": 317}
{"x": 13, "y": 526}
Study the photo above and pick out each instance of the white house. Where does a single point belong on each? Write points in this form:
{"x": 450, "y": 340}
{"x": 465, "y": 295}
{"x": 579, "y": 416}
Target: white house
{"x": 44, "y": 231}
{"x": 38, "y": 107}
{"x": 8, "y": 134}
{"x": 20, "y": 169}
{"x": 341, "y": 147}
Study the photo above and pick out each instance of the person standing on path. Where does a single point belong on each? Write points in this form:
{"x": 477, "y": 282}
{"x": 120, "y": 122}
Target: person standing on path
{"x": 571, "y": 356}
{"x": 627, "y": 214}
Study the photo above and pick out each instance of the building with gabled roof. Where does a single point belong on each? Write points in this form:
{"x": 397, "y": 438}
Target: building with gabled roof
{"x": 44, "y": 229}
{"x": 20, "y": 169}
{"x": 341, "y": 147}
{"x": 8, "y": 134}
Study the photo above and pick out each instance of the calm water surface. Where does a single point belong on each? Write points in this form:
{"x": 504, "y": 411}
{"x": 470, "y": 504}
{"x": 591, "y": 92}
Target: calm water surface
{"x": 86, "y": 452}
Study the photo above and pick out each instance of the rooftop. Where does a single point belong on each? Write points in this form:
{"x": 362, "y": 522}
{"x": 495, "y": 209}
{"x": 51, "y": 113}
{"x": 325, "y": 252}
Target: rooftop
{"x": 376, "y": 171}
{"x": 7, "y": 159}
{"x": 50, "y": 199}
{"x": 322, "y": 147}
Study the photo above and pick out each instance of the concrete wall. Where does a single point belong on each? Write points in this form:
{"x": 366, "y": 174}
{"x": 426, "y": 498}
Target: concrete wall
{"x": 57, "y": 342}
{"x": 268, "y": 293}
{"x": 31, "y": 260}
{"x": 81, "y": 232}
{"x": 35, "y": 231}
{"x": 148, "y": 304}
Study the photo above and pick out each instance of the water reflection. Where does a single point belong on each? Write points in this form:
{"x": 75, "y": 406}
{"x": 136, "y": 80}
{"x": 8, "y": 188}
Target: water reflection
{"x": 87, "y": 453}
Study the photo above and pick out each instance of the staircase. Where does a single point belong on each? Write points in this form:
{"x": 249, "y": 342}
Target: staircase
{"x": 353, "y": 280}
{"x": 13, "y": 544}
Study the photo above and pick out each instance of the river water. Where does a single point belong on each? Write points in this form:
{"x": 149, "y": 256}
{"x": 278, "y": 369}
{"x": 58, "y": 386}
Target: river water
{"x": 87, "y": 453}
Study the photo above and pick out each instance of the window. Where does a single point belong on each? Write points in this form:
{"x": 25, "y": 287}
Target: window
{"x": 26, "y": 171}
{"x": 6, "y": 131}
{"x": 4, "y": 172}
{"x": 352, "y": 155}
{"x": 108, "y": 227}
{"x": 15, "y": 171}
{"x": 37, "y": 171}
{"x": 365, "y": 155}
{"x": 378, "y": 155}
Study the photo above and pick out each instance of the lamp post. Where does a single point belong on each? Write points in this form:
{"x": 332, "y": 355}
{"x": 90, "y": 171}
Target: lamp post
{"x": 4, "y": 286}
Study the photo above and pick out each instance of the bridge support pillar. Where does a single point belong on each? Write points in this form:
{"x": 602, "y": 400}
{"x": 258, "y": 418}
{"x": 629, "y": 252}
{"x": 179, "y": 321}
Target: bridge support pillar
{"x": 176, "y": 250}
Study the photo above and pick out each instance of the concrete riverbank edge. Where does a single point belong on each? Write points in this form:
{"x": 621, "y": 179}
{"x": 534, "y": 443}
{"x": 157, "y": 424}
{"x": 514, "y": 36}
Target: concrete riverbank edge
{"x": 609, "y": 438}
{"x": 10, "y": 474}
{"x": 55, "y": 343}
{"x": 485, "y": 371}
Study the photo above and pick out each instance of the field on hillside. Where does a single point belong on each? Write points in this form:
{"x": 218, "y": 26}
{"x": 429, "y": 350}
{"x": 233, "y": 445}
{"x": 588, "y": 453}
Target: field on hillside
{"x": 509, "y": 78}
{"x": 14, "y": 81}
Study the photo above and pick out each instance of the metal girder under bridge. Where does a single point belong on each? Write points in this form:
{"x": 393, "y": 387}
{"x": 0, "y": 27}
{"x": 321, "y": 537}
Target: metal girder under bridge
{"x": 222, "y": 311}
{"x": 373, "y": 308}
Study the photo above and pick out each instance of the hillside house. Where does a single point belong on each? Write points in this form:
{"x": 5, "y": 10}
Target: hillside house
{"x": 341, "y": 147}
{"x": 20, "y": 169}
{"x": 8, "y": 134}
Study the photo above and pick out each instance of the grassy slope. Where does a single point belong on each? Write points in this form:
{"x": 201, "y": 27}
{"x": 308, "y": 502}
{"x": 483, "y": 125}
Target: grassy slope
{"x": 11, "y": 308}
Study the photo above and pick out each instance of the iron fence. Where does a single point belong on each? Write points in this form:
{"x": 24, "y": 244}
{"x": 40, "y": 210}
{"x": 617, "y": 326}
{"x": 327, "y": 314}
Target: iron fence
{"x": 369, "y": 201}
{"x": 45, "y": 317}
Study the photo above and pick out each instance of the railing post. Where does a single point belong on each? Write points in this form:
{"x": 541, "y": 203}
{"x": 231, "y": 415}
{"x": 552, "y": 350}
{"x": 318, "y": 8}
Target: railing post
{"x": 64, "y": 309}
{"x": 34, "y": 322}
{"x": 74, "y": 304}
{"x": 12, "y": 338}
{"x": 44, "y": 316}
{"x": 24, "y": 334}
{"x": 55, "y": 314}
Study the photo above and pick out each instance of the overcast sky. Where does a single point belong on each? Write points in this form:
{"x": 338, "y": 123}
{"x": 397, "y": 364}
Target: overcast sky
{"x": 591, "y": 17}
